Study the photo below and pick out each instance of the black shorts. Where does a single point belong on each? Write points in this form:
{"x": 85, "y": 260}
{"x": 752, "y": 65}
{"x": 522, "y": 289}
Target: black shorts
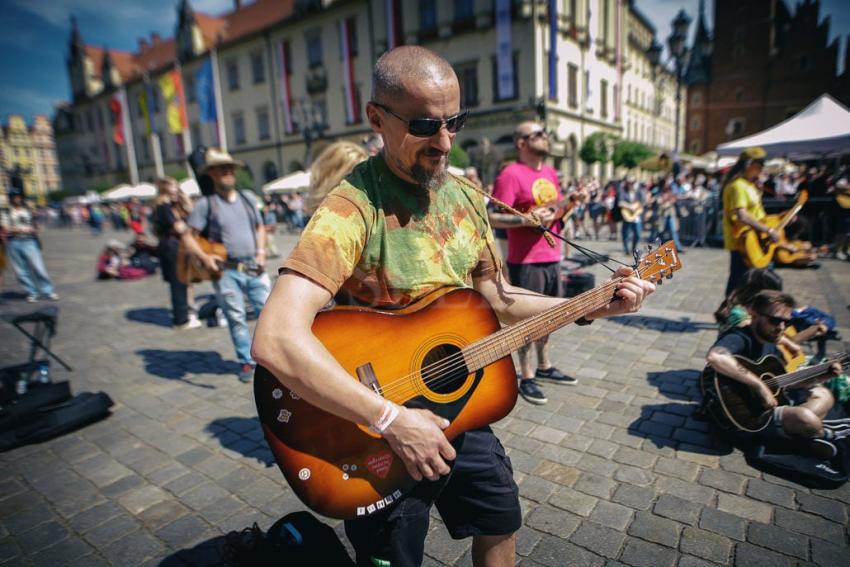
{"x": 478, "y": 497}
{"x": 543, "y": 277}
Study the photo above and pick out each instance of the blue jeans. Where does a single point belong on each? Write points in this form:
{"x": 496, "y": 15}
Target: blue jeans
{"x": 668, "y": 228}
{"x": 631, "y": 229}
{"x": 230, "y": 291}
{"x": 29, "y": 266}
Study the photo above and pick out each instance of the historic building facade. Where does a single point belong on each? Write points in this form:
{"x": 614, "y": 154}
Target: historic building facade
{"x": 283, "y": 90}
{"x": 763, "y": 65}
{"x": 31, "y": 151}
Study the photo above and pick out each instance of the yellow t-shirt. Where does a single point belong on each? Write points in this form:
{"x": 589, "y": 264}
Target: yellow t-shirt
{"x": 739, "y": 194}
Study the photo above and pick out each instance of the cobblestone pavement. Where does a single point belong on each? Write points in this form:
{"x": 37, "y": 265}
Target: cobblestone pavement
{"x": 612, "y": 471}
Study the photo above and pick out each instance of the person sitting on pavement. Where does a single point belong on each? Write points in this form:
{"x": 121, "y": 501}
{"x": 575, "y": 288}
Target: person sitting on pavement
{"x": 232, "y": 217}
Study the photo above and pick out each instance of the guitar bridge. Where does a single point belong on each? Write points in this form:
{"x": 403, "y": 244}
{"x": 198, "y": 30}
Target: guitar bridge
{"x": 367, "y": 377}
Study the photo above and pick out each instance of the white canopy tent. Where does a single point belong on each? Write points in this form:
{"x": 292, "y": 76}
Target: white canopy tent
{"x": 297, "y": 181}
{"x": 190, "y": 187}
{"x": 115, "y": 193}
{"x": 142, "y": 191}
{"x": 822, "y": 129}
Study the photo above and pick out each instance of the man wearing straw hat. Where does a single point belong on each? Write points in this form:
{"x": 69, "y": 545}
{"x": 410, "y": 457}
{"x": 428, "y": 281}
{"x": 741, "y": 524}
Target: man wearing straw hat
{"x": 232, "y": 217}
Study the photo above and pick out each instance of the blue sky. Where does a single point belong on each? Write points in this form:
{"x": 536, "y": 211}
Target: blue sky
{"x": 34, "y": 38}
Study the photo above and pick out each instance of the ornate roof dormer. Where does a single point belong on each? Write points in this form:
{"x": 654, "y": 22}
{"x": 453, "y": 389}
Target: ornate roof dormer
{"x": 190, "y": 39}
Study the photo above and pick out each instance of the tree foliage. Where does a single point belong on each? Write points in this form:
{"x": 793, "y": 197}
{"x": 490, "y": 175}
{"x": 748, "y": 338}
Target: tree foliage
{"x": 458, "y": 157}
{"x": 594, "y": 148}
{"x": 629, "y": 154}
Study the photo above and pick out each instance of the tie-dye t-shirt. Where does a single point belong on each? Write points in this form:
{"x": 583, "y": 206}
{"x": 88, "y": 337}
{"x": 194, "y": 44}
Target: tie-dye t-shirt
{"x": 379, "y": 241}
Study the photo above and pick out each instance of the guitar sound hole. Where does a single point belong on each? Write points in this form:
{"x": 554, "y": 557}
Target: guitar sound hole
{"x": 444, "y": 370}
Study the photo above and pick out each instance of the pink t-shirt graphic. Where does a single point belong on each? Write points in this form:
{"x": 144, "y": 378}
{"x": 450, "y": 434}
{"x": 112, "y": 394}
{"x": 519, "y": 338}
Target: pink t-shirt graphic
{"x": 525, "y": 188}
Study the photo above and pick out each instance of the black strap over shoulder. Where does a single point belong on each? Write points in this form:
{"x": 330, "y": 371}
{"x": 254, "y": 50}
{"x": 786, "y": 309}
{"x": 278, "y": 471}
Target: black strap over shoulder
{"x": 212, "y": 228}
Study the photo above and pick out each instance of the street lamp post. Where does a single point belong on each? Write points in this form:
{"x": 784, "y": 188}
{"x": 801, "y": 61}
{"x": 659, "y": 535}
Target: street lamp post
{"x": 311, "y": 122}
{"x": 679, "y": 52}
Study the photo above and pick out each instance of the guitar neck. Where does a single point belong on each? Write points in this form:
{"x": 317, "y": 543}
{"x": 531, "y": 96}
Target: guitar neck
{"x": 810, "y": 373}
{"x": 789, "y": 215}
{"x": 502, "y": 343}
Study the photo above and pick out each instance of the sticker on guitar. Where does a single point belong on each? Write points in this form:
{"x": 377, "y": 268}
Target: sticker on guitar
{"x": 379, "y": 463}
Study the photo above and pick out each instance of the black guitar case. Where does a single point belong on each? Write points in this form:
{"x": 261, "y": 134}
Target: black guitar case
{"x": 50, "y": 421}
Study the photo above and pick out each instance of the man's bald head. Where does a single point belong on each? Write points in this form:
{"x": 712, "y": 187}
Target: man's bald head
{"x": 396, "y": 71}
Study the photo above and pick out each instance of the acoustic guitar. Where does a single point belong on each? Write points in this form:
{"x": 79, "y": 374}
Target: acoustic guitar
{"x": 786, "y": 257}
{"x": 757, "y": 248}
{"x": 843, "y": 200}
{"x": 447, "y": 353}
{"x": 631, "y": 215}
{"x": 734, "y": 405}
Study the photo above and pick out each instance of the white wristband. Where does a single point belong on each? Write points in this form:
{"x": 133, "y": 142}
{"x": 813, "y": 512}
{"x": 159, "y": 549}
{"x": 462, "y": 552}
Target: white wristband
{"x": 388, "y": 415}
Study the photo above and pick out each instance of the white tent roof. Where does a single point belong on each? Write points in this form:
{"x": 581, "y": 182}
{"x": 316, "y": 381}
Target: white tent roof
{"x": 821, "y": 129}
{"x": 190, "y": 187}
{"x": 297, "y": 181}
{"x": 114, "y": 194}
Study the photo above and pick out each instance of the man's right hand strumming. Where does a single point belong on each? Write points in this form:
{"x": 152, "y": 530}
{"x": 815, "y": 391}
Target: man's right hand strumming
{"x": 765, "y": 396}
{"x": 211, "y": 263}
{"x": 417, "y": 437}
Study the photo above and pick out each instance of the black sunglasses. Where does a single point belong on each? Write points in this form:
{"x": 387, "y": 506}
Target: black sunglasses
{"x": 427, "y": 127}
{"x": 774, "y": 320}
{"x": 535, "y": 134}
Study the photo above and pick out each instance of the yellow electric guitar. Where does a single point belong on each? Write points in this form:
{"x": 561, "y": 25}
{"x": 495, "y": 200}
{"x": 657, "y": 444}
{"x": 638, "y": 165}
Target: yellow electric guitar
{"x": 756, "y": 247}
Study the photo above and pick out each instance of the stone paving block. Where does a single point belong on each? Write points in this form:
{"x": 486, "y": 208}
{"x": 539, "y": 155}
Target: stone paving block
{"x": 41, "y": 536}
{"x": 102, "y": 469}
{"x": 560, "y": 455}
{"x": 824, "y": 507}
{"x": 259, "y": 491}
{"x": 547, "y": 434}
{"x": 555, "y": 552}
{"x": 116, "y": 528}
{"x": 722, "y": 523}
{"x": 653, "y": 528}
{"x": 633, "y": 475}
{"x": 222, "y": 508}
{"x": 745, "y": 508}
{"x": 132, "y": 549}
{"x": 596, "y": 465}
{"x": 573, "y": 501}
{"x": 553, "y": 521}
{"x": 139, "y": 499}
{"x": 162, "y": 513}
{"x": 557, "y": 473}
{"x": 94, "y": 516}
{"x": 626, "y": 438}
{"x": 830, "y": 555}
{"x": 634, "y": 497}
{"x": 595, "y": 485}
{"x": 705, "y": 545}
{"x": 185, "y": 483}
{"x": 611, "y": 515}
{"x": 577, "y": 442}
{"x": 677, "y": 468}
{"x": 747, "y": 555}
{"x": 603, "y": 449}
{"x": 123, "y": 485}
{"x": 522, "y": 443}
{"x": 810, "y": 525}
{"x": 769, "y": 492}
{"x": 185, "y": 532}
{"x": 9, "y": 550}
{"x": 723, "y": 480}
{"x": 677, "y": 509}
{"x": 632, "y": 457}
{"x": 526, "y": 540}
{"x": 537, "y": 489}
{"x": 68, "y": 551}
{"x": 523, "y": 462}
{"x": 685, "y": 490}
{"x": 597, "y": 430}
{"x": 28, "y": 518}
{"x": 645, "y": 554}
{"x": 778, "y": 539}
{"x": 599, "y": 539}
{"x": 691, "y": 561}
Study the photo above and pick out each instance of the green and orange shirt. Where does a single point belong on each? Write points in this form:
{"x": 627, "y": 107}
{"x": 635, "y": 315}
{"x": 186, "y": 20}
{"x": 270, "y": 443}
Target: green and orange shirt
{"x": 377, "y": 240}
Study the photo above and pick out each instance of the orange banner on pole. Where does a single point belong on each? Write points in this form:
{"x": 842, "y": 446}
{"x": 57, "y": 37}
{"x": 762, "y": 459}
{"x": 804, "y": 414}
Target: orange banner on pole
{"x": 171, "y": 86}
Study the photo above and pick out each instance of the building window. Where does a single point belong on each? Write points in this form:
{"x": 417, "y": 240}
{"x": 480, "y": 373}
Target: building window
{"x": 464, "y": 13}
{"x": 603, "y": 98}
{"x": 735, "y": 128}
{"x": 315, "y": 57}
{"x": 572, "y": 85}
{"x": 696, "y": 123}
{"x": 258, "y": 69}
{"x": 189, "y": 83}
{"x": 232, "y": 67}
{"x": 239, "y": 127}
{"x": 495, "y": 74}
{"x": 467, "y": 74}
{"x": 696, "y": 99}
{"x": 587, "y": 92}
{"x": 263, "y": 122}
{"x": 428, "y": 17}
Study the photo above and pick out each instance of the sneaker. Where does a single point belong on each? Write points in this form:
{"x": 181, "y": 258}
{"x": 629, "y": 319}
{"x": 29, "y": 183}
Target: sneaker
{"x": 31, "y": 299}
{"x": 192, "y": 323}
{"x": 246, "y": 372}
{"x": 52, "y": 296}
{"x": 531, "y": 392}
{"x": 221, "y": 319}
{"x": 555, "y": 376}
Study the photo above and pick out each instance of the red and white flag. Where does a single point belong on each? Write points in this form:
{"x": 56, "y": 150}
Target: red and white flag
{"x": 352, "y": 109}
{"x": 285, "y": 87}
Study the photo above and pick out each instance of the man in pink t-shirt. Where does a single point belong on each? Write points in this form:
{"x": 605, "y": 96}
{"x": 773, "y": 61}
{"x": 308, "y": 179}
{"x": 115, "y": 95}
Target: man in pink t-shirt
{"x": 531, "y": 186}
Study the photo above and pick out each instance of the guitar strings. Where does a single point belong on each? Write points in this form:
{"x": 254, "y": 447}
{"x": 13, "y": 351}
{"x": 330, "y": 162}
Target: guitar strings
{"x": 530, "y": 327}
{"x": 784, "y": 380}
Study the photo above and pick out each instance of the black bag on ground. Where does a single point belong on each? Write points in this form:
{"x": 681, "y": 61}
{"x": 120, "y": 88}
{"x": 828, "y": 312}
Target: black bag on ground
{"x": 306, "y": 542}
{"x": 577, "y": 283}
{"x": 36, "y": 397}
{"x": 53, "y": 420}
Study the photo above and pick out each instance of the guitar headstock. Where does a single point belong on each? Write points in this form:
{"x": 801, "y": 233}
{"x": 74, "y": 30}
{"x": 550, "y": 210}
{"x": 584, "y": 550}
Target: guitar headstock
{"x": 659, "y": 264}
